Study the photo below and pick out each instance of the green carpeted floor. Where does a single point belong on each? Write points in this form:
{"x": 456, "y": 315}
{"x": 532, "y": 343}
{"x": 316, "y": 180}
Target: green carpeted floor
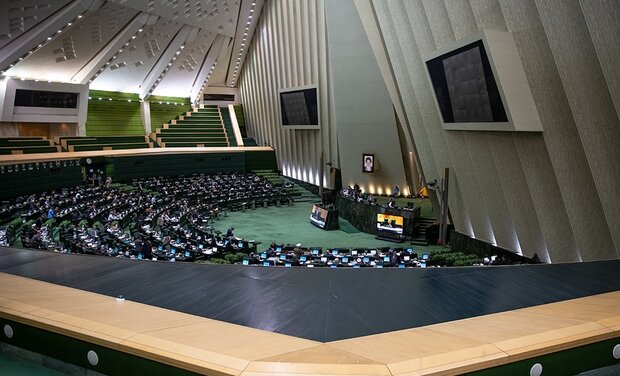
{"x": 291, "y": 224}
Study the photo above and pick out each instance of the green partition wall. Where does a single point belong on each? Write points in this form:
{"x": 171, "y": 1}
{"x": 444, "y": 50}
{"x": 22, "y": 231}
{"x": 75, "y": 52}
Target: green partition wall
{"x": 27, "y": 178}
{"x": 113, "y": 114}
{"x": 164, "y": 109}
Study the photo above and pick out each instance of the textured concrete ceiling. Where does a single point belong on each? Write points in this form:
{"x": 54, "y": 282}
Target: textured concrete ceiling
{"x": 155, "y": 47}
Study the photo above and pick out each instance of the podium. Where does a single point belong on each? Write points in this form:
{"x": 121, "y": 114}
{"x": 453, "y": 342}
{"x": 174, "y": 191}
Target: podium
{"x": 324, "y": 217}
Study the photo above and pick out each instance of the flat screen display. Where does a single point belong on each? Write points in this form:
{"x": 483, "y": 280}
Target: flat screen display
{"x": 318, "y": 216}
{"x": 299, "y": 107}
{"x": 390, "y": 223}
{"x": 465, "y": 87}
{"x": 40, "y": 98}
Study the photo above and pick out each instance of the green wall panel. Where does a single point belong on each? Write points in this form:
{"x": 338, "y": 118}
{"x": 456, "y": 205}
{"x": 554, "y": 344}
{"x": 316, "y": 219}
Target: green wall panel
{"x": 74, "y": 351}
{"x": 164, "y": 109}
{"x": 27, "y": 178}
{"x": 116, "y": 117}
{"x": 567, "y": 362}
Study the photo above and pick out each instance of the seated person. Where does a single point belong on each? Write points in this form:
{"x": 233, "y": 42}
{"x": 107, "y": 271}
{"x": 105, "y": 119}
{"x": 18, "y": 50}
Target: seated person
{"x": 396, "y": 191}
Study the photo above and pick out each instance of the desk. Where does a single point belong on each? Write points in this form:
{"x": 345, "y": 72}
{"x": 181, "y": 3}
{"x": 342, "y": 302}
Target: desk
{"x": 364, "y": 216}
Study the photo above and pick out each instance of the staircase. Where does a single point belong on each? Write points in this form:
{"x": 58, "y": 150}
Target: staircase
{"x": 419, "y": 230}
{"x": 202, "y": 127}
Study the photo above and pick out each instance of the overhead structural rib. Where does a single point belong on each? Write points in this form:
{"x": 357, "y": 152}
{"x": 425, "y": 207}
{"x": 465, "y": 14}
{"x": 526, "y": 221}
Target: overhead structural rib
{"x": 98, "y": 61}
{"x": 157, "y": 73}
{"x": 44, "y": 31}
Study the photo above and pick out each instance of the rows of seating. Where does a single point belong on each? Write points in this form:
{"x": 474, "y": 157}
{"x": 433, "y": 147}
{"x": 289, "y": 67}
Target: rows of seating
{"x": 289, "y": 255}
{"x": 26, "y": 145}
{"x": 203, "y": 127}
{"x": 172, "y": 215}
{"x": 70, "y": 143}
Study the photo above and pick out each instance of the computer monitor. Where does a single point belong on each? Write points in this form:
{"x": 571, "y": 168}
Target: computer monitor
{"x": 278, "y": 248}
{"x": 409, "y": 250}
{"x": 323, "y": 259}
{"x": 201, "y": 246}
{"x": 424, "y": 256}
{"x": 366, "y": 259}
{"x": 173, "y": 251}
{"x": 407, "y": 258}
{"x": 246, "y": 262}
{"x": 334, "y": 252}
{"x": 263, "y": 255}
{"x": 345, "y": 259}
{"x": 302, "y": 258}
{"x": 287, "y": 264}
{"x": 353, "y": 253}
{"x": 187, "y": 254}
{"x": 316, "y": 252}
{"x": 240, "y": 245}
{"x": 265, "y": 263}
{"x": 139, "y": 256}
{"x": 159, "y": 248}
{"x": 386, "y": 258}
{"x": 422, "y": 265}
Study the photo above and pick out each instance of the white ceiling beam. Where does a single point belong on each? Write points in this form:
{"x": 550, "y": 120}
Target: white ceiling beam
{"x": 248, "y": 20}
{"x": 97, "y": 62}
{"x": 158, "y": 72}
{"x": 45, "y": 31}
{"x": 205, "y": 70}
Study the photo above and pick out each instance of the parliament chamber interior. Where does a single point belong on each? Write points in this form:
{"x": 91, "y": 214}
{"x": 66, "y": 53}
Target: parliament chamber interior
{"x": 309, "y": 187}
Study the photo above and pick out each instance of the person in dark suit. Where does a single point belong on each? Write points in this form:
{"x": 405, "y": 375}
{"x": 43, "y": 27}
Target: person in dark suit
{"x": 229, "y": 233}
{"x": 147, "y": 249}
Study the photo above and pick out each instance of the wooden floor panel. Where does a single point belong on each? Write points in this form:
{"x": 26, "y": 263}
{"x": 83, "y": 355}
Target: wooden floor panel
{"x": 205, "y": 345}
{"x": 40, "y": 157}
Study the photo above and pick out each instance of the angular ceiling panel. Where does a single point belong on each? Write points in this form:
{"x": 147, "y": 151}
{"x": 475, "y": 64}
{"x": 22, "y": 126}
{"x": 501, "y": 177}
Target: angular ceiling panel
{"x": 18, "y": 16}
{"x": 160, "y": 47}
{"x": 216, "y": 16}
{"x": 128, "y": 70}
{"x": 185, "y": 68}
{"x": 66, "y": 54}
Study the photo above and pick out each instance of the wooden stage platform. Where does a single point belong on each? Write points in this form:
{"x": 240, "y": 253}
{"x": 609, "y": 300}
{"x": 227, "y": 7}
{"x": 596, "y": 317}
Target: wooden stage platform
{"x": 41, "y": 157}
{"x": 213, "y": 347}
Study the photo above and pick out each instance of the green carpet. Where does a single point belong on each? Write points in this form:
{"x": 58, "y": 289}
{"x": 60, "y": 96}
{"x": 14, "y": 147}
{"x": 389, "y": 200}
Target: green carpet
{"x": 291, "y": 225}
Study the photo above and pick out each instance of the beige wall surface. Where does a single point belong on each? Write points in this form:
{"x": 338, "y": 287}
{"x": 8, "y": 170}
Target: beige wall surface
{"x": 554, "y": 193}
{"x": 322, "y": 43}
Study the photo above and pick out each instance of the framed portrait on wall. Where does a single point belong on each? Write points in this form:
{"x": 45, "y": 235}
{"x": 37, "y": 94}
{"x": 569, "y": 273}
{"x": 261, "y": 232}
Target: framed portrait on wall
{"x": 368, "y": 163}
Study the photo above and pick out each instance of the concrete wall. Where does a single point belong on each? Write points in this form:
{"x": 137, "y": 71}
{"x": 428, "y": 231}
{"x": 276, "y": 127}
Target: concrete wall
{"x": 11, "y": 113}
{"x": 553, "y": 193}
{"x": 321, "y": 43}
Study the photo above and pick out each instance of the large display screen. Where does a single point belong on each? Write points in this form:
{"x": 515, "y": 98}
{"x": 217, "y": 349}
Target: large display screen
{"x": 299, "y": 107}
{"x": 40, "y": 98}
{"x": 390, "y": 223}
{"x": 318, "y": 216}
{"x": 465, "y": 86}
